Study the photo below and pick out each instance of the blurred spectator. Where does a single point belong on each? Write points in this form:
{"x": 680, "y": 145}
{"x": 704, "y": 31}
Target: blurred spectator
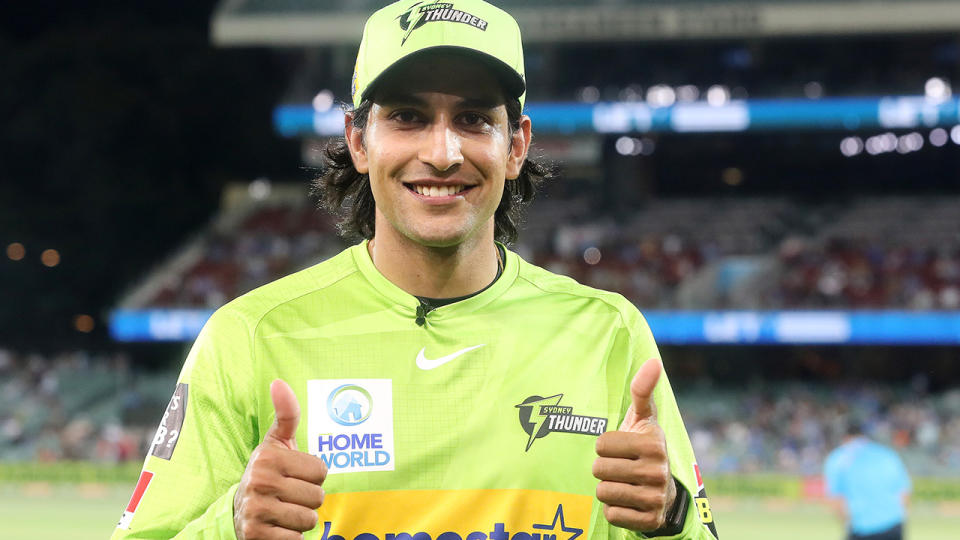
{"x": 868, "y": 487}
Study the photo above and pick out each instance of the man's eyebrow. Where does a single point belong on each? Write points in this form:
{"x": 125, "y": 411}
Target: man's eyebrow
{"x": 480, "y": 103}
{"x": 402, "y": 99}
{"x": 395, "y": 100}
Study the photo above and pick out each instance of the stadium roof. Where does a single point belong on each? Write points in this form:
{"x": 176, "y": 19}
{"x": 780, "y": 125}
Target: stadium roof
{"x": 296, "y": 23}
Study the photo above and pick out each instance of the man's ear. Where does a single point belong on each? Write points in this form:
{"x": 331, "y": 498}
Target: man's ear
{"x": 520, "y": 144}
{"x": 354, "y": 137}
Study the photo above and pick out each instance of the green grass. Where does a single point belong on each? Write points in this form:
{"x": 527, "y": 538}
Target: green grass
{"x": 90, "y": 512}
{"x": 756, "y": 519}
{"x": 41, "y": 512}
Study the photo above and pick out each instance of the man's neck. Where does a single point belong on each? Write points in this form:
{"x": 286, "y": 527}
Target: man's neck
{"x": 432, "y": 272}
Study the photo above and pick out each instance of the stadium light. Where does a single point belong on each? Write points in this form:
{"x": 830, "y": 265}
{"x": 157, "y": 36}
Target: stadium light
{"x": 939, "y": 137}
{"x": 591, "y": 255}
{"x": 912, "y": 142}
{"x": 629, "y": 146}
{"x": 259, "y": 189}
{"x": 955, "y": 134}
{"x": 589, "y": 94}
{"x": 661, "y": 95}
{"x": 16, "y": 251}
{"x": 718, "y": 95}
{"x": 647, "y": 146}
{"x": 687, "y": 92}
{"x": 813, "y": 90}
{"x": 323, "y": 101}
{"x": 937, "y": 89}
{"x": 732, "y": 176}
{"x": 50, "y": 258}
{"x": 83, "y": 323}
{"x": 851, "y": 146}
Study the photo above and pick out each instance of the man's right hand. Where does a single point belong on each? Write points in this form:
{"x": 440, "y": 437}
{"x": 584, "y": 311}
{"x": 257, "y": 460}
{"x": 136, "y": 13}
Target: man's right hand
{"x": 280, "y": 490}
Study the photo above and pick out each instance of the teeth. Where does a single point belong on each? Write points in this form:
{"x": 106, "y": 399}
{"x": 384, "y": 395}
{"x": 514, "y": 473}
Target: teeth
{"x": 438, "y": 191}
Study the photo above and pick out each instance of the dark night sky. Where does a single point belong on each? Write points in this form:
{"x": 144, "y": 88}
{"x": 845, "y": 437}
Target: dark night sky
{"x": 120, "y": 125}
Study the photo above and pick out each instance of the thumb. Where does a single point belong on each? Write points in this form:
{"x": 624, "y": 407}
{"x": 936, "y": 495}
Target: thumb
{"x": 287, "y": 409}
{"x": 641, "y": 390}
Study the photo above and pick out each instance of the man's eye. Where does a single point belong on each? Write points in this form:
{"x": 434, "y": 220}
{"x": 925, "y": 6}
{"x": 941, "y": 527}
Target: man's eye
{"x": 405, "y": 117}
{"x": 472, "y": 119}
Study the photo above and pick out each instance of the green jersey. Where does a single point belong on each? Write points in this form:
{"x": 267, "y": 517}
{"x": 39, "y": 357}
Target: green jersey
{"x": 476, "y": 420}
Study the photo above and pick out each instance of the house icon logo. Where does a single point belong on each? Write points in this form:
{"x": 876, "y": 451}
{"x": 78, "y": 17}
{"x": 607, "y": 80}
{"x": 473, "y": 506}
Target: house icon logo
{"x": 349, "y": 405}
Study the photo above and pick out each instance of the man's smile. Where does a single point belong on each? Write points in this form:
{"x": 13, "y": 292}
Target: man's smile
{"x": 437, "y": 190}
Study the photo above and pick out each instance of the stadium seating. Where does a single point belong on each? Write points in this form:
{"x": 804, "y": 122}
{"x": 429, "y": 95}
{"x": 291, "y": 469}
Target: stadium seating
{"x": 49, "y": 410}
{"x": 683, "y": 253}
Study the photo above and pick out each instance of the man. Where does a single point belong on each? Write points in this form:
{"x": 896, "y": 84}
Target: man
{"x": 451, "y": 390}
{"x": 868, "y": 487}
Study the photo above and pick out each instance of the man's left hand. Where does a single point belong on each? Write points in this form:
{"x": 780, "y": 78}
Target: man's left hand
{"x": 635, "y": 482}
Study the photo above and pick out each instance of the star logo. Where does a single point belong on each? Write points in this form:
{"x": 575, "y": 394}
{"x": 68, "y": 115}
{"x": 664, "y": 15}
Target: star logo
{"x": 574, "y": 532}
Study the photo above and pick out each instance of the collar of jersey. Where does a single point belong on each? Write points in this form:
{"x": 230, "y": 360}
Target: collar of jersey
{"x": 406, "y": 302}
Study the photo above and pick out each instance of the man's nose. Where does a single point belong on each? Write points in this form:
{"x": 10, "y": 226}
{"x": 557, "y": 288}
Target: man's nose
{"x": 441, "y": 147}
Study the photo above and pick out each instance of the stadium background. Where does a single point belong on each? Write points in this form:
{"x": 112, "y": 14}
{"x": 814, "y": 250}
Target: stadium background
{"x": 774, "y": 183}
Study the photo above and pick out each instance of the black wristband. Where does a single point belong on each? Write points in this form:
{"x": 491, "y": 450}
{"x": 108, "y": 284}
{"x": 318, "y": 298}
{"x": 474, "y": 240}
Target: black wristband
{"x": 676, "y": 516}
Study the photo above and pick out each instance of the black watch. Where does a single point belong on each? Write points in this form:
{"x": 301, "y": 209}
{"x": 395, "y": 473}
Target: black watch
{"x": 676, "y": 515}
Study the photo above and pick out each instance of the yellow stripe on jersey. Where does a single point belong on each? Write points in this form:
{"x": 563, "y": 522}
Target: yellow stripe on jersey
{"x": 470, "y": 514}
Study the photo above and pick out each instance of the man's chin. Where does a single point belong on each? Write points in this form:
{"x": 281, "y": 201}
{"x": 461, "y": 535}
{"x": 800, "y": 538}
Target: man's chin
{"x": 438, "y": 239}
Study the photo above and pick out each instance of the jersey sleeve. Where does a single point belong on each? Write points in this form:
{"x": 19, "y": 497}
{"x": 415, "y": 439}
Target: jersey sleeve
{"x": 202, "y": 445}
{"x": 699, "y": 523}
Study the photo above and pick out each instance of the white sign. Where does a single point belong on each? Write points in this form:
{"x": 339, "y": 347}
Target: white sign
{"x": 350, "y": 424}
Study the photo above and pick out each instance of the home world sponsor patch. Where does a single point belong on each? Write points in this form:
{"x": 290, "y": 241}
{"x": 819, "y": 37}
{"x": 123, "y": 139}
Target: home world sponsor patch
{"x": 350, "y": 424}
{"x": 541, "y": 416}
{"x": 469, "y": 514}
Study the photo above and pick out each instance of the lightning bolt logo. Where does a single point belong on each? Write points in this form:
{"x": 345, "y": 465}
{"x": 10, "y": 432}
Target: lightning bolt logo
{"x": 535, "y": 422}
{"x": 405, "y": 23}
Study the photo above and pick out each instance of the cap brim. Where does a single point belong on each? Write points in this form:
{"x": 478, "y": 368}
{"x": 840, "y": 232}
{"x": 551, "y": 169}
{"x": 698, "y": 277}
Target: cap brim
{"x": 513, "y": 84}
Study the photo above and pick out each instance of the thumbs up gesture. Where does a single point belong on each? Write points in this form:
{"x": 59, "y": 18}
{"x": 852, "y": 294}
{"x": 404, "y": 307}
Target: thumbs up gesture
{"x": 635, "y": 482}
{"x": 281, "y": 487}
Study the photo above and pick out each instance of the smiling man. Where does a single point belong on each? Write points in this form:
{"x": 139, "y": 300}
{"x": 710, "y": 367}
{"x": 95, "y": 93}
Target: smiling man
{"x": 426, "y": 383}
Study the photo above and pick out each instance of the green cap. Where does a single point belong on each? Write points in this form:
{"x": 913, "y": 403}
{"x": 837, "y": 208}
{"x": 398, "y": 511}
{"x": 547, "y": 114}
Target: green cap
{"x": 407, "y": 28}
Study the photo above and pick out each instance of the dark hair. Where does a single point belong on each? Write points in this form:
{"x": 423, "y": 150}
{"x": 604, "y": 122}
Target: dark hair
{"x": 345, "y": 192}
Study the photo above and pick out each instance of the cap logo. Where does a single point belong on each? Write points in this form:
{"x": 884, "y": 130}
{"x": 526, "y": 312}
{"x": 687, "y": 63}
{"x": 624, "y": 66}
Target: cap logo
{"x": 415, "y": 17}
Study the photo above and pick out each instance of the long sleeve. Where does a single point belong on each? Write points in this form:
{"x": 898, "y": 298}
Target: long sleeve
{"x": 202, "y": 445}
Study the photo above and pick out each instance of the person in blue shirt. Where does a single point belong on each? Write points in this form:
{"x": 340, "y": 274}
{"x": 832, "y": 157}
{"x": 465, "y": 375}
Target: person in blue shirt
{"x": 868, "y": 486}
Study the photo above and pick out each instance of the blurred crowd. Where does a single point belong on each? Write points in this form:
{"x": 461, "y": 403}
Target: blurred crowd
{"x": 270, "y": 243}
{"x": 670, "y": 254}
{"x": 78, "y": 406}
{"x": 842, "y": 273}
{"x": 791, "y": 428}
{"x": 72, "y": 406}
{"x": 647, "y": 270}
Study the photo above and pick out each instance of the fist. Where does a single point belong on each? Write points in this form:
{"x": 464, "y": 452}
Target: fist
{"x": 281, "y": 488}
{"x": 635, "y": 482}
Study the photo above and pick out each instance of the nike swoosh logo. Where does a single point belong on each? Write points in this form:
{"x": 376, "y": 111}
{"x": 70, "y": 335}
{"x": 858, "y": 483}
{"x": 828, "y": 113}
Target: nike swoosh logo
{"x": 427, "y": 364}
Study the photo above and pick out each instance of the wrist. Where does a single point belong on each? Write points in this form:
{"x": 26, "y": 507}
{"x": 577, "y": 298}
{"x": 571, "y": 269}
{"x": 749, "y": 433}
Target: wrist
{"x": 676, "y": 515}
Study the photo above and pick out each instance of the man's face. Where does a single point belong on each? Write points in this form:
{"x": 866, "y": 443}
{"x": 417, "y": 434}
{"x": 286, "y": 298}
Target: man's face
{"x": 438, "y": 149}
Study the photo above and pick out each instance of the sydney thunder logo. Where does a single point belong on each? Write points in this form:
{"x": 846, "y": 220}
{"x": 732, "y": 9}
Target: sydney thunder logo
{"x": 540, "y": 416}
{"x": 415, "y": 17}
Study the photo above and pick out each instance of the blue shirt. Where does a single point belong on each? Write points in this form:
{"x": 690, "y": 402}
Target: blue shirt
{"x": 872, "y": 480}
